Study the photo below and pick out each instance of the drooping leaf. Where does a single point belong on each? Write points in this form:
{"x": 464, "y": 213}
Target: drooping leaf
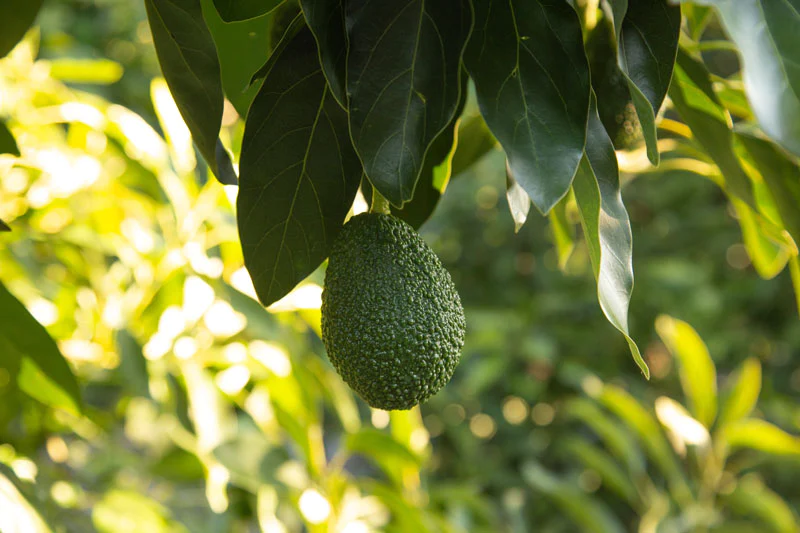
{"x": 279, "y": 40}
{"x": 794, "y": 269}
{"x": 241, "y": 48}
{"x": 8, "y": 145}
{"x": 326, "y": 18}
{"x": 768, "y": 248}
{"x": 190, "y": 65}
{"x": 781, "y": 176}
{"x": 743, "y": 395}
{"x": 530, "y": 71}
{"x": 563, "y": 231}
{"x": 765, "y": 32}
{"x": 607, "y": 228}
{"x": 237, "y": 10}
{"x": 16, "y": 16}
{"x": 299, "y": 173}
{"x": 695, "y": 101}
{"x": 436, "y": 172}
{"x": 585, "y": 511}
{"x": 697, "y": 371}
{"x": 648, "y": 42}
{"x": 762, "y": 436}
{"x": 519, "y": 203}
{"x": 404, "y": 83}
{"x": 41, "y": 370}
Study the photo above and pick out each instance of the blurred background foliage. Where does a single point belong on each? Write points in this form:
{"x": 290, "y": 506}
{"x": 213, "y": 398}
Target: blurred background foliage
{"x": 203, "y": 412}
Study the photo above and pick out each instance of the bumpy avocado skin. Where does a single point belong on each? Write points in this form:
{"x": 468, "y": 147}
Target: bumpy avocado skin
{"x": 392, "y": 321}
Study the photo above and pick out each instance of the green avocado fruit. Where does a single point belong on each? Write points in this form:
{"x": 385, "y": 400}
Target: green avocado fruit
{"x": 392, "y": 321}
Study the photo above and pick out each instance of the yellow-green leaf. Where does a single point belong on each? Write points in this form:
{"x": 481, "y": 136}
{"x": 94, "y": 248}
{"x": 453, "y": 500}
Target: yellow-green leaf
{"x": 743, "y": 394}
{"x": 761, "y": 435}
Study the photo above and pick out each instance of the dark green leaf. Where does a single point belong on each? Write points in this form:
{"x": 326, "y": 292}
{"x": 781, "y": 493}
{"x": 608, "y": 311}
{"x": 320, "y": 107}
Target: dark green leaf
{"x": 241, "y": 47}
{"x": 694, "y": 99}
{"x": 607, "y": 229}
{"x": 132, "y": 364}
{"x": 42, "y": 372}
{"x": 648, "y": 42}
{"x": 326, "y": 18}
{"x": 8, "y": 145}
{"x": 16, "y": 16}
{"x": 781, "y": 176}
{"x": 189, "y": 62}
{"x": 765, "y": 31}
{"x": 299, "y": 172}
{"x": 404, "y": 83}
{"x": 237, "y": 10}
{"x": 281, "y": 35}
{"x": 527, "y": 61}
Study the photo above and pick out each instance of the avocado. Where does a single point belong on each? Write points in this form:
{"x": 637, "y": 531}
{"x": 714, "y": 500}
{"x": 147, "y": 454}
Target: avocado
{"x": 392, "y": 320}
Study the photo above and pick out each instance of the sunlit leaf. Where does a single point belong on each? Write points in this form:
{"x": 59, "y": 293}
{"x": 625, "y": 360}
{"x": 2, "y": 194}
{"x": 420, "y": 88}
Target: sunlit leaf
{"x": 97, "y": 71}
{"x": 8, "y": 145}
{"x": 299, "y": 173}
{"x": 607, "y": 229}
{"x": 188, "y": 59}
{"x": 519, "y": 203}
{"x": 404, "y": 84}
{"x": 765, "y": 32}
{"x": 474, "y": 141}
{"x": 626, "y": 407}
{"x": 794, "y": 269}
{"x": 768, "y": 250}
{"x": 586, "y": 512}
{"x": 742, "y": 397}
{"x": 697, "y": 371}
{"x": 696, "y": 102}
{"x": 762, "y": 436}
{"x": 527, "y": 61}
{"x": 122, "y": 511}
{"x": 18, "y": 514}
{"x": 30, "y": 354}
{"x": 237, "y": 10}
{"x": 16, "y": 16}
{"x": 563, "y": 232}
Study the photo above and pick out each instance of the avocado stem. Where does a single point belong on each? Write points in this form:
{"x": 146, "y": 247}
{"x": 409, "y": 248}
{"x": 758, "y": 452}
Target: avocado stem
{"x": 379, "y": 203}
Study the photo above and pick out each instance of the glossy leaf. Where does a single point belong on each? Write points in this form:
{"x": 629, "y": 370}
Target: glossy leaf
{"x": 607, "y": 228}
{"x": 697, "y": 371}
{"x": 765, "y": 32}
{"x": 8, "y": 145}
{"x": 404, "y": 84}
{"x": 299, "y": 174}
{"x": 190, "y": 65}
{"x": 532, "y": 79}
{"x": 743, "y": 394}
{"x": 16, "y": 16}
{"x": 589, "y": 514}
{"x": 782, "y": 177}
{"x": 237, "y": 10}
{"x": 762, "y": 436}
{"x": 41, "y": 371}
{"x": 326, "y": 18}
{"x": 695, "y": 101}
{"x": 648, "y": 42}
